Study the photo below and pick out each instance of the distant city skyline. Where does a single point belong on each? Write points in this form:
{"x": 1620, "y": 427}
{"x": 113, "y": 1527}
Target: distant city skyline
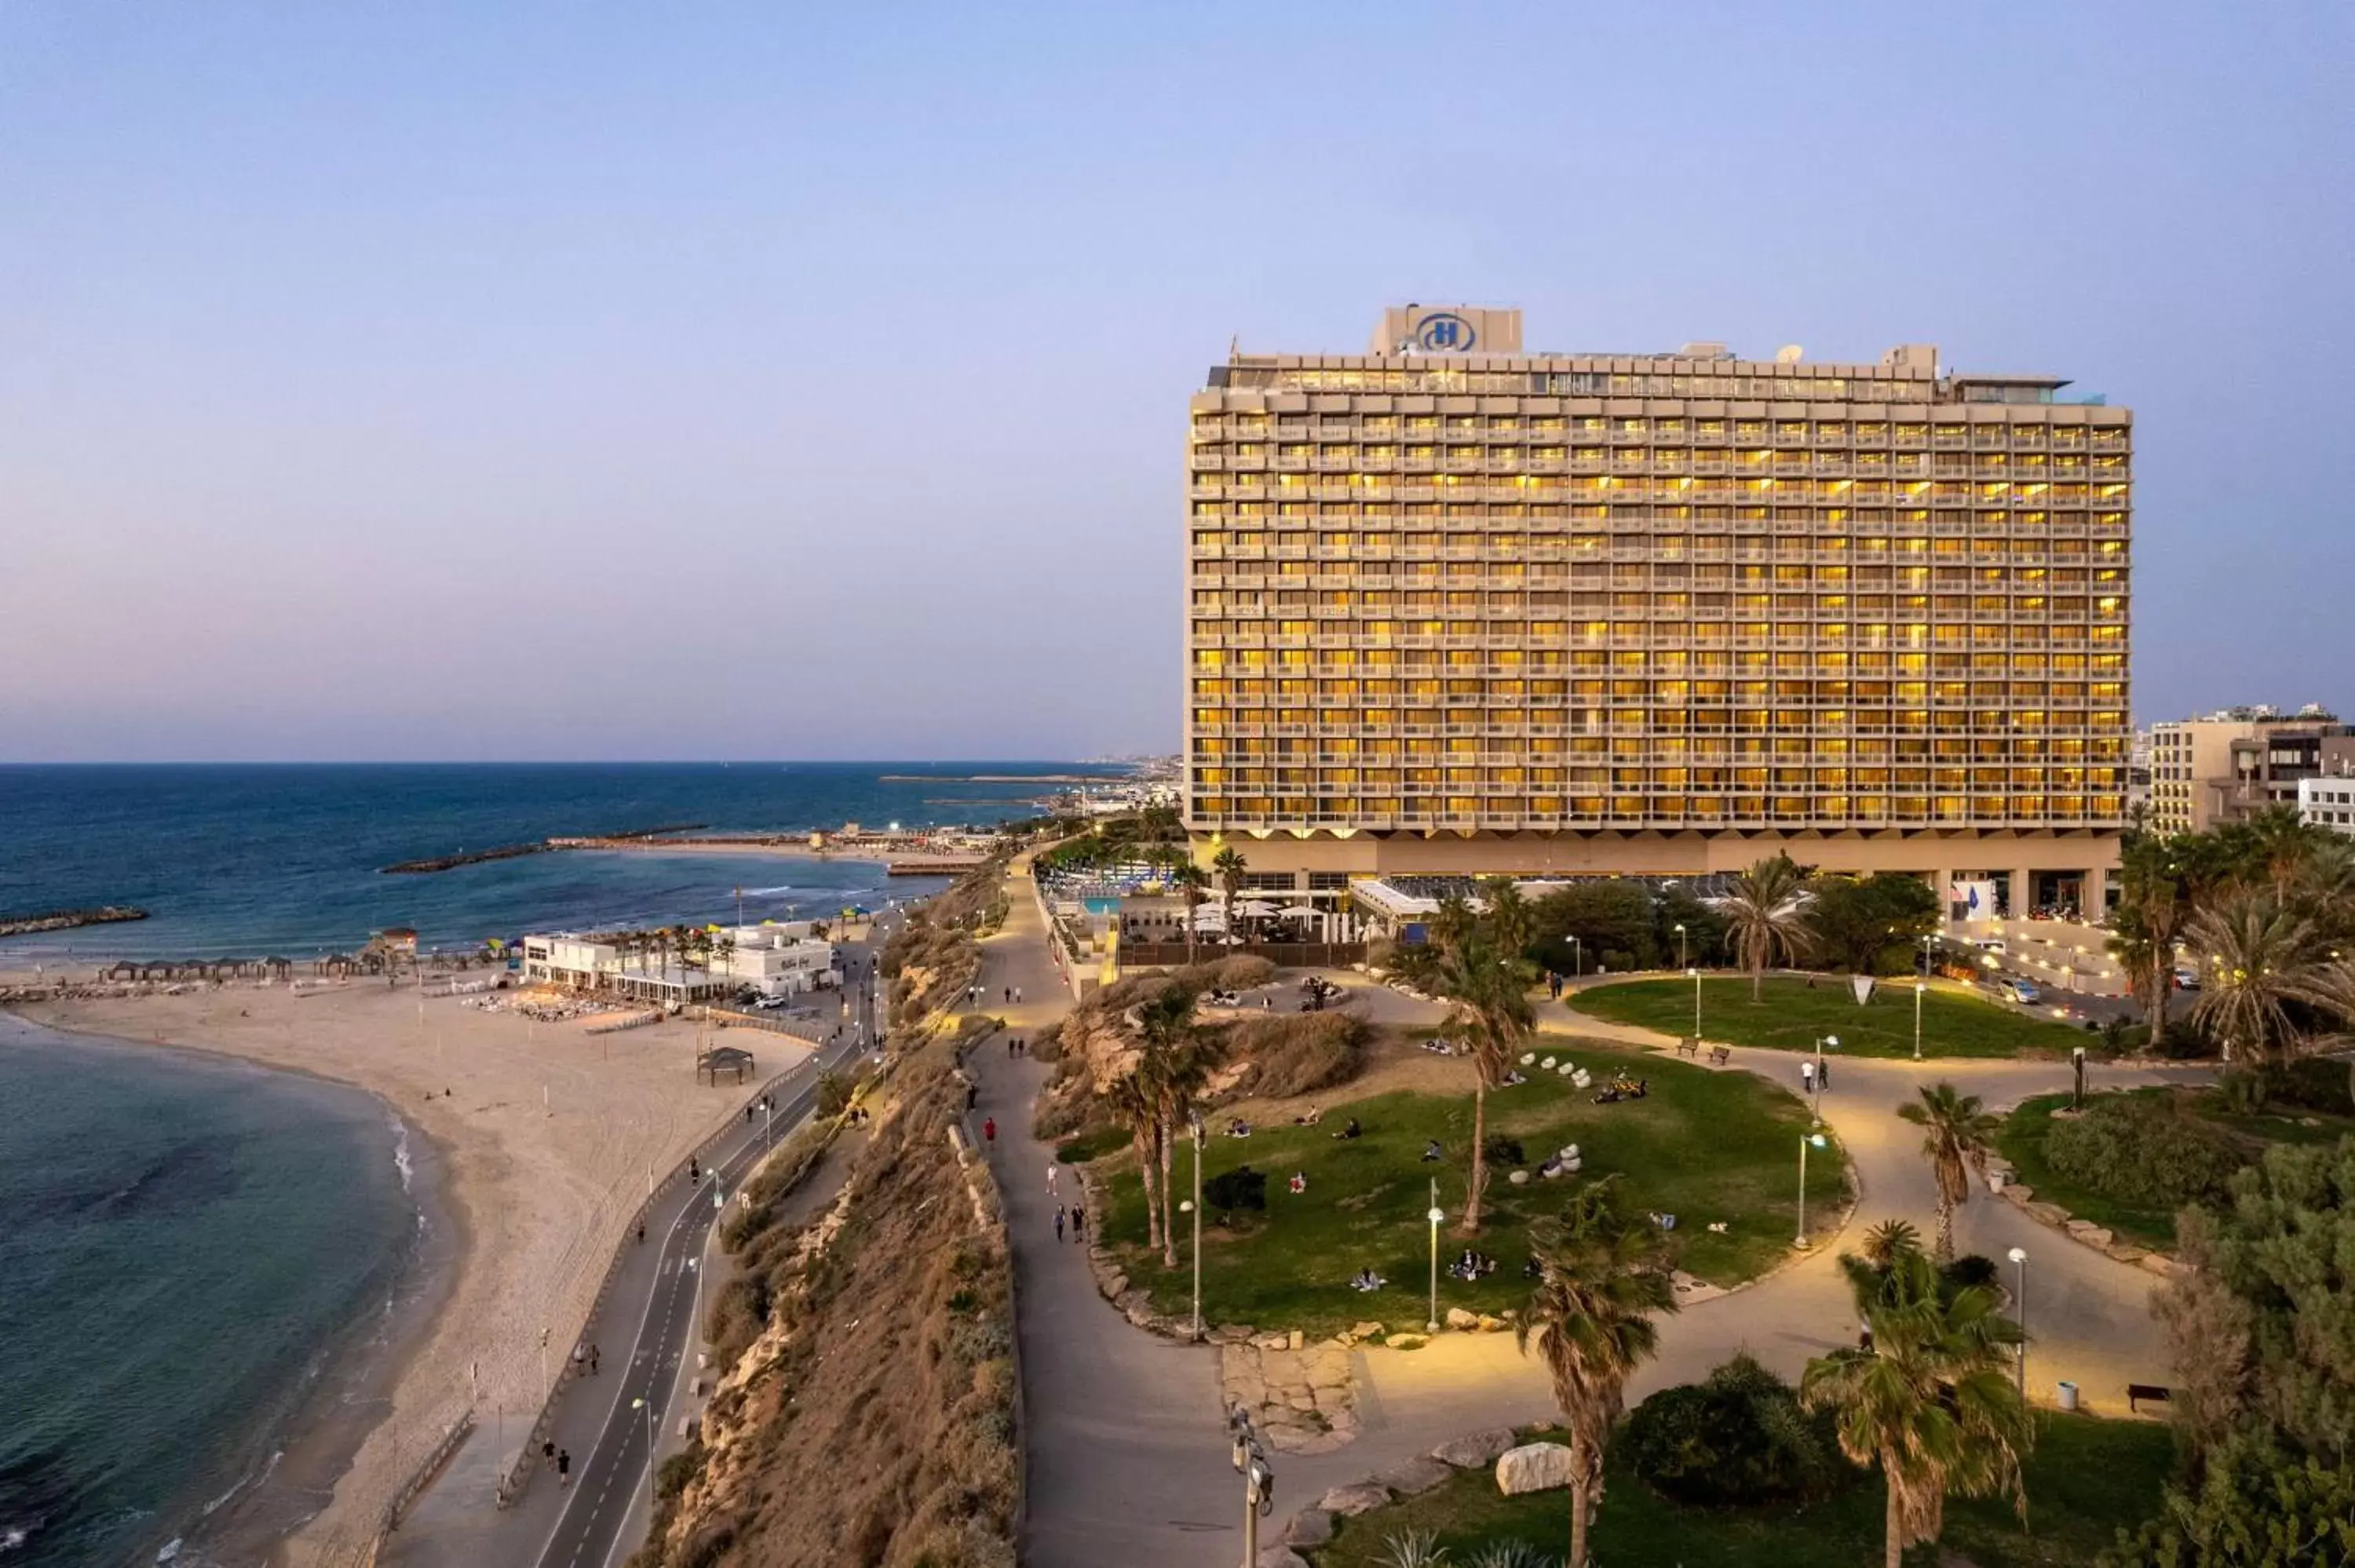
{"x": 456, "y": 384}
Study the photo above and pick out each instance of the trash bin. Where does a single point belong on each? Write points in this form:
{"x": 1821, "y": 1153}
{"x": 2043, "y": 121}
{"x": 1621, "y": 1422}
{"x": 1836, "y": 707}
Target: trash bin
{"x": 2067, "y": 1392}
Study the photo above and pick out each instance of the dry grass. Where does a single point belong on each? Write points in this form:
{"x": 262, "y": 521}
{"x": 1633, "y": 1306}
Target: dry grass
{"x": 1298, "y": 1052}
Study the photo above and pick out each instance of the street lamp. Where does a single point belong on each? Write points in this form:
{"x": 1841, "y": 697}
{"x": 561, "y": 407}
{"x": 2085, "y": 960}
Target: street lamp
{"x": 2019, "y": 1255}
{"x": 1684, "y": 959}
{"x": 1696, "y": 980}
{"x": 1431, "y": 1325}
{"x": 1575, "y": 968}
{"x": 1832, "y": 1041}
{"x": 1816, "y": 1138}
{"x": 1919, "y": 987}
{"x": 649, "y": 1407}
{"x": 1194, "y": 1126}
{"x": 1250, "y": 1461}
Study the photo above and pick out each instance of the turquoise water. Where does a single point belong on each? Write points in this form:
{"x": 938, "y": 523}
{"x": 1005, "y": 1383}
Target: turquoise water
{"x": 257, "y": 860}
{"x": 182, "y": 1241}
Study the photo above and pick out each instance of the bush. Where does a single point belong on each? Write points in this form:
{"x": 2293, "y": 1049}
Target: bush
{"x": 833, "y": 1094}
{"x": 2310, "y": 1084}
{"x": 1299, "y": 1052}
{"x": 1972, "y": 1269}
{"x": 1502, "y": 1150}
{"x": 1241, "y": 1188}
{"x": 1244, "y": 971}
{"x": 1737, "y": 1437}
{"x": 2182, "y": 1041}
{"x": 2141, "y": 1149}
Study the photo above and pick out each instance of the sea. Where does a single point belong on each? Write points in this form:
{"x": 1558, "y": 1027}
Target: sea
{"x": 200, "y": 1261}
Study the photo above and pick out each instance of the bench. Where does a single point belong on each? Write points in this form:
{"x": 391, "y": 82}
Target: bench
{"x": 2139, "y": 1393}
{"x": 1719, "y": 1056}
{"x": 1688, "y": 1046}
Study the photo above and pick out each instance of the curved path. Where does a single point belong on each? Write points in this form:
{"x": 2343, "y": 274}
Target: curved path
{"x": 1126, "y": 1445}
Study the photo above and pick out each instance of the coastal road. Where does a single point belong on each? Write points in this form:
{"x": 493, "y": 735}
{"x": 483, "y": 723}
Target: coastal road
{"x": 657, "y": 1299}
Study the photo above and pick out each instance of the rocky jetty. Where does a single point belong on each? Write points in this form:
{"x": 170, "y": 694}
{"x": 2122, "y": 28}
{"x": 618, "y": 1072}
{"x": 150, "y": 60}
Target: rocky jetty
{"x": 67, "y": 919}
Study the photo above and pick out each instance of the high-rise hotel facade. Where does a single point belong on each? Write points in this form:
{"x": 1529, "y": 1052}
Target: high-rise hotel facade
{"x": 1454, "y": 608}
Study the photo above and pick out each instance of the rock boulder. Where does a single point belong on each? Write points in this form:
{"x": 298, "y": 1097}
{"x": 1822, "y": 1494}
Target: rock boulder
{"x": 1533, "y": 1467}
{"x": 1472, "y": 1452}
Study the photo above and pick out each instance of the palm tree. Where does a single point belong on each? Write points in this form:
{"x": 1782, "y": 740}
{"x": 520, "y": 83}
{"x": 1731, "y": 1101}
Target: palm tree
{"x": 1766, "y": 914}
{"x": 1958, "y": 1133}
{"x": 1507, "y": 915}
{"x": 1933, "y": 1402}
{"x": 1136, "y": 1106}
{"x": 1487, "y": 994}
{"x": 1230, "y": 864}
{"x": 1193, "y": 885}
{"x": 1604, "y": 1276}
{"x": 2261, "y": 959}
{"x": 1886, "y": 1240}
{"x": 1177, "y": 1061}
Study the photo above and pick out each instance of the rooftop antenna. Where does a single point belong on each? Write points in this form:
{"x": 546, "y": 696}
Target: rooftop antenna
{"x": 1234, "y": 348}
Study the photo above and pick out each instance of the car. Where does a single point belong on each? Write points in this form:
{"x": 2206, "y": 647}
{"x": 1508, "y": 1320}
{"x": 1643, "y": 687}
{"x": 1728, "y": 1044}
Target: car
{"x": 2186, "y": 977}
{"x": 2014, "y": 989}
{"x": 1988, "y": 944}
{"x": 770, "y": 1003}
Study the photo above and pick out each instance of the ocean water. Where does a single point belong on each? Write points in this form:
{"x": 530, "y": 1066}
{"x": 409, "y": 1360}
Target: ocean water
{"x": 254, "y": 861}
{"x": 188, "y": 1249}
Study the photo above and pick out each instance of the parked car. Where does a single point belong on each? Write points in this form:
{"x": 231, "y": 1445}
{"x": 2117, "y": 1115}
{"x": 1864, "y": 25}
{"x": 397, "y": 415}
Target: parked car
{"x": 2187, "y": 978}
{"x": 1988, "y": 944}
{"x": 2012, "y": 988}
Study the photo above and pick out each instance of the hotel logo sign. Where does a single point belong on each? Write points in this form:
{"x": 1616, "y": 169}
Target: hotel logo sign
{"x": 1445, "y": 332}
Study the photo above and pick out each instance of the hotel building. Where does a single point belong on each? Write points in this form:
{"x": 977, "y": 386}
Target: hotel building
{"x": 1454, "y": 608}
{"x": 2228, "y": 766}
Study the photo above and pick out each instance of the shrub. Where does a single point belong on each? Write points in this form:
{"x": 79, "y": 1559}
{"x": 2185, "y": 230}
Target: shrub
{"x": 2182, "y": 1041}
{"x": 2141, "y": 1149}
{"x": 1502, "y": 1150}
{"x": 1972, "y": 1269}
{"x": 1618, "y": 961}
{"x": 1300, "y": 1052}
{"x": 678, "y": 1469}
{"x": 1737, "y": 1437}
{"x": 1244, "y": 971}
{"x": 2311, "y": 1085}
{"x": 1241, "y": 1188}
{"x": 833, "y": 1094}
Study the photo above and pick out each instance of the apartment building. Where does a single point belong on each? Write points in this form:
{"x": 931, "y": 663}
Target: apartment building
{"x": 2224, "y": 766}
{"x": 1453, "y": 607}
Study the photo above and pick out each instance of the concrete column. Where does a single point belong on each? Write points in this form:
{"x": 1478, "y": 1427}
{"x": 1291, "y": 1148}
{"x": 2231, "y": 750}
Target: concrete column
{"x": 1942, "y": 883}
{"x": 2097, "y": 885}
{"x": 2022, "y": 886}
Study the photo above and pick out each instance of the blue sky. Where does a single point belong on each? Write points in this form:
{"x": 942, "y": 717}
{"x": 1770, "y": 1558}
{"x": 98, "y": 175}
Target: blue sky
{"x": 524, "y": 381}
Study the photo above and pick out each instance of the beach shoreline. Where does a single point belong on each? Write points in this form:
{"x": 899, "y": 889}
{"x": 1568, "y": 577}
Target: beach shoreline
{"x": 533, "y": 1191}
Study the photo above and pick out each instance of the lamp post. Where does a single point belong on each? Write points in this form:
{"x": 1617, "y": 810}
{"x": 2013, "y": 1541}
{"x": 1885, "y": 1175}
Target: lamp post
{"x": 1431, "y": 1325}
{"x": 2019, "y": 1255}
{"x": 647, "y": 1406}
{"x": 1684, "y": 959}
{"x": 1576, "y": 968}
{"x": 1696, "y": 980}
{"x": 1250, "y": 1461}
{"x": 1816, "y": 1138}
{"x": 1194, "y": 1126}
{"x": 1919, "y": 987}
{"x": 1832, "y": 1041}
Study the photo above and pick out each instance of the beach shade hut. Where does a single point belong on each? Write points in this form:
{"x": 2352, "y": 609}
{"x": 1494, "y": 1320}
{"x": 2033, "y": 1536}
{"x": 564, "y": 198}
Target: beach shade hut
{"x": 724, "y": 1059}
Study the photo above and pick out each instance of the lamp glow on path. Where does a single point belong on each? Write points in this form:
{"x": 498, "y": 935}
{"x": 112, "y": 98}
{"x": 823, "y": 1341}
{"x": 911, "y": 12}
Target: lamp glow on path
{"x": 1819, "y": 1140}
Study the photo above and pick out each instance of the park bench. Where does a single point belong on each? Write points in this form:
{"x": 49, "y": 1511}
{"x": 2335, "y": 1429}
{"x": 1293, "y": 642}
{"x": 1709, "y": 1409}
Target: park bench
{"x": 1719, "y": 1056}
{"x": 2136, "y": 1392}
{"x": 1688, "y": 1046}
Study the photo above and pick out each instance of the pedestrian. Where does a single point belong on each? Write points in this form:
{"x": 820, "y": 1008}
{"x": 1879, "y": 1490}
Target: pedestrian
{"x": 694, "y": 1172}
{"x": 1824, "y": 1076}
{"x": 1079, "y": 1222}
{"x": 748, "y": 1115}
{"x": 1864, "y": 1339}
{"x": 989, "y": 1129}
{"x": 1806, "y": 1077}
{"x": 972, "y": 1095}
{"x": 1050, "y": 1179}
{"x": 1018, "y": 996}
{"x": 1058, "y": 1222}
{"x": 547, "y": 1450}
{"x": 580, "y": 1358}
{"x": 642, "y": 1233}
{"x": 1009, "y": 1047}
{"x": 564, "y": 1466}
{"x": 592, "y": 1360}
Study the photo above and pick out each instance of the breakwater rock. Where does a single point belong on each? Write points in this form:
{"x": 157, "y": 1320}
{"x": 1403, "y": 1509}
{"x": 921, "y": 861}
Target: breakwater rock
{"x": 510, "y": 851}
{"x": 67, "y": 919}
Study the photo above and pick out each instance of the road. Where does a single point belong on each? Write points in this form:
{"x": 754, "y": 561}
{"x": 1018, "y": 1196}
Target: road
{"x": 600, "y": 1518}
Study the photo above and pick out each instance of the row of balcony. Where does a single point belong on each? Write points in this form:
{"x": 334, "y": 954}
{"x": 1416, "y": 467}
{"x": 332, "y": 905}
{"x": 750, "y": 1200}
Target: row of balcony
{"x": 1212, "y": 813}
{"x": 1981, "y": 436}
{"x": 2069, "y": 468}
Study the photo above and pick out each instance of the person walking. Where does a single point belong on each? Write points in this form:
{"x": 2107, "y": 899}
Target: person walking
{"x": 1806, "y": 1077}
{"x": 1050, "y": 1179}
{"x": 1058, "y": 1222}
{"x": 592, "y": 1360}
{"x": 1079, "y": 1222}
{"x": 1824, "y": 1076}
{"x": 564, "y": 1466}
{"x": 989, "y": 1129}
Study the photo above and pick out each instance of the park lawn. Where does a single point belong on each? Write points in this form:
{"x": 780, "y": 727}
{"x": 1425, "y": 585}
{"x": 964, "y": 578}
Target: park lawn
{"x": 2086, "y": 1479}
{"x": 2021, "y": 1141}
{"x": 1794, "y": 1015}
{"x": 1702, "y": 1145}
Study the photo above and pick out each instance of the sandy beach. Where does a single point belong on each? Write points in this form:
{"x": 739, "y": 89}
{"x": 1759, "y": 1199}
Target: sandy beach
{"x": 546, "y": 1138}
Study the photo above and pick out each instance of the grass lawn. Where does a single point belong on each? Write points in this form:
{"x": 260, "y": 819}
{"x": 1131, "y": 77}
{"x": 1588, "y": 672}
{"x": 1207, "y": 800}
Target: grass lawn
{"x": 1793, "y": 1017}
{"x": 2086, "y": 1479}
{"x": 1702, "y": 1145}
{"x": 2021, "y": 1141}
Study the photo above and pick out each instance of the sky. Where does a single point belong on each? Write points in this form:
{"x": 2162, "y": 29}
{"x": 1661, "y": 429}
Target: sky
{"x": 747, "y": 380}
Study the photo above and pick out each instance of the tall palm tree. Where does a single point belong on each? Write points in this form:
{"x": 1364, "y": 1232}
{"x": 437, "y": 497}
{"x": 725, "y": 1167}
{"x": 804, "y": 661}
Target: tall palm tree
{"x": 1193, "y": 885}
{"x": 1507, "y": 915}
{"x": 1884, "y": 1240}
{"x": 1604, "y": 1274}
{"x": 1766, "y": 913}
{"x": 1177, "y": 1060}
{"x": 1136, "y": 1103}
{"x": 2283, "y": 846}
{"x": 1230, "y": 864}
{"x": 1487, "y": 994}
{"x": 1957, "y": 1135}
{"x": 2261, "y": 959}
{"x": 1933, "y": 1402}
{"x": 2154, "y": 900}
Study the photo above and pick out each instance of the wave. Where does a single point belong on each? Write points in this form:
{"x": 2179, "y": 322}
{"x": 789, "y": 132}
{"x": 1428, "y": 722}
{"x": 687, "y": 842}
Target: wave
{"x": 400, "y": 1161}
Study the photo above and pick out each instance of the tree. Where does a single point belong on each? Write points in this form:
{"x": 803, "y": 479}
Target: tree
{"x": 1507, "y": 915}
{"x": 1957, "y": 1136}
{"x": 1856, "y": 921}
{"x": 2260, "y": 962}
{"x": 1487, "y": 990}
{"x": 2258, "y": 1503}
{"x": 1136, "y": 1106}
{"x": 1230, "y": 864}
{"x": 1604, "y": 1276}
{"x": 2154, "y": 901}
{"x": 1192, "y": 883}
{"x": 1606, "y": 915}
{"x": 1766, "y": 913}
{"x": 1177, "y": 1061}
{"x": 1933, "y": 1402}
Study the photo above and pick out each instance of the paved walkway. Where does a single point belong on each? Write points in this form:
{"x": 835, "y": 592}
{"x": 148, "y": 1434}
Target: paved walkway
{"x": 1127, "y": 1446}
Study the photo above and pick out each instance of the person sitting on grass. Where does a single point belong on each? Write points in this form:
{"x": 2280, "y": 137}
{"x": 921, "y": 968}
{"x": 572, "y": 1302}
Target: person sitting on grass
{"x": 1351, "y": 1131}
{"x": 1239, "y": 1128}
{"x": 1431, "y": 1151}
{"x": 1309, "y": 1118}
{"x": 1299, "y": 1182}
{"x": 1367, "y": 1279}
{"x": 1515, "y": 1076}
